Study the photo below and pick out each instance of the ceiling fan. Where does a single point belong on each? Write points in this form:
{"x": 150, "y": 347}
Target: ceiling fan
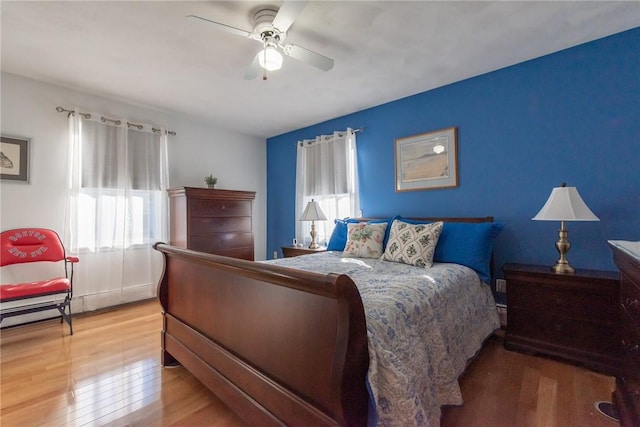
{"x": 270, "y": 29}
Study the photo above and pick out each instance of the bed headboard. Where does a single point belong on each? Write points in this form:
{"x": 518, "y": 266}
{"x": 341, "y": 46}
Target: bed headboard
{"x": 443, "y": 219}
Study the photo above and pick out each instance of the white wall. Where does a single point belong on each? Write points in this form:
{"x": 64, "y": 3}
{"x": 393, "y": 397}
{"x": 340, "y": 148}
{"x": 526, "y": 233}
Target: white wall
{"x": 28, "y": 109}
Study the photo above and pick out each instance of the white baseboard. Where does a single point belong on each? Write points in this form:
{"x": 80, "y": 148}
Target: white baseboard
{"x": 109, "y": 299}
{"x": 83, "y": 303}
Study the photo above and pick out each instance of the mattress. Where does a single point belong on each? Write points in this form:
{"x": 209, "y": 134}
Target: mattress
{"x": 423, "y": 325}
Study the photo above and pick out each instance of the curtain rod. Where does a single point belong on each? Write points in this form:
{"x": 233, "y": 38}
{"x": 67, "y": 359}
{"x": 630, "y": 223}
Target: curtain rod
{"x": 328, "y": 137}
{"x": 114, "y": 121}
{"x": 356, "y": 130}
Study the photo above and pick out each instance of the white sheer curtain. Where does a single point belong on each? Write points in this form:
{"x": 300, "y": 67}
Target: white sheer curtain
{"x": 117, "y": 208}
{"x": 326, "y": 171}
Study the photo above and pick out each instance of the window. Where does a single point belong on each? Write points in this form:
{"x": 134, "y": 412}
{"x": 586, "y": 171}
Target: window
{"x": 327, "y": 172}
{"x": 102, "y": 225}
{"x": 119, "y": 186}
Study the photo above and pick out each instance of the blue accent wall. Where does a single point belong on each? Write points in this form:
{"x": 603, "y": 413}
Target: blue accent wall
{"x": 572, "y": 116}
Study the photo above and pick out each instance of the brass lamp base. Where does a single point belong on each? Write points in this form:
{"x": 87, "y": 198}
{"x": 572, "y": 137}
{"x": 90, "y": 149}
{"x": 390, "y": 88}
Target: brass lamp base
{"x": 563, "y": 268}
{"x": 562, "y": 245}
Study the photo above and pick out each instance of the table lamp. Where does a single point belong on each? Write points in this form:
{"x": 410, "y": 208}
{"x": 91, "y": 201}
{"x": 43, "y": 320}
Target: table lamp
{"x": 564, "y": 204}
{"x": 313, "y": 213}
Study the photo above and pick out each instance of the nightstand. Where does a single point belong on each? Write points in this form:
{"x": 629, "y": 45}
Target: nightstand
{"x": 291, "y": 251}
{"x": 570, "y": 316}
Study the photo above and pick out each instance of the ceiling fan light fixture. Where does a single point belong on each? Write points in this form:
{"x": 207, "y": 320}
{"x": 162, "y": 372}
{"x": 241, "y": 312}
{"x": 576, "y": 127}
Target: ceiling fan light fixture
{"x": 270, "y": 29}
{"x": 270, "y": 59}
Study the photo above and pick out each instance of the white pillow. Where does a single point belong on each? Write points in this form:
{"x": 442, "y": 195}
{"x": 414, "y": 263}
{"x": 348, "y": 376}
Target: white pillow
{"x": 364, "y": 240}
{"x": 412, "y": 244}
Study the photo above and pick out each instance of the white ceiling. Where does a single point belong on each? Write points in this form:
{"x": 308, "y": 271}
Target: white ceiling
{"x": 149, "y": 53}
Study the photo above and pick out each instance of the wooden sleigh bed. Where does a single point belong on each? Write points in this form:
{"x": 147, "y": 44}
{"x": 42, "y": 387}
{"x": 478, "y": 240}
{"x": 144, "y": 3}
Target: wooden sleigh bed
{"x": 280, "y": 346}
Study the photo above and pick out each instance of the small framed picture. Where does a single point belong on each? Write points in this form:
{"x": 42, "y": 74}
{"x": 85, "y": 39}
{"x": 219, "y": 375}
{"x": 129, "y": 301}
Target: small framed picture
{"x": 14, "y": 159}
{"x": 427, "y": 161}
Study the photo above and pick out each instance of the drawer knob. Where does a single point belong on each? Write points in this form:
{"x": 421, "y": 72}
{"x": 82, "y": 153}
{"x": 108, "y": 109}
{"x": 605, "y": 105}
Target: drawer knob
{"x": 631, "y": 346}
{"x": 631, "y": 302}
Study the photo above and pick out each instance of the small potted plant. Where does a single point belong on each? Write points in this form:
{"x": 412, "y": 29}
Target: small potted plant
{"x": 211, "y": 181}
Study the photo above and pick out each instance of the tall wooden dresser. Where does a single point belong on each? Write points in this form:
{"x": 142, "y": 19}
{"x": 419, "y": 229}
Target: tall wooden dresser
{"x": 627, "y": 394}
{"x": 212, "y": 221}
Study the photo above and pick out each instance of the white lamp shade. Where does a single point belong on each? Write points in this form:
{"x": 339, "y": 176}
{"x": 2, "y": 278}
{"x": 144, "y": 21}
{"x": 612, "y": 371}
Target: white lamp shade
{"x": 313, "y": 212}
{"x": 270, "y": 59}
{"x": 565, "y": 204}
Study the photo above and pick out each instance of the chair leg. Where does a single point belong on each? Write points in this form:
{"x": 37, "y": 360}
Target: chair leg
{"x": 62, "y": 308}
{"x": 70, "y": 325}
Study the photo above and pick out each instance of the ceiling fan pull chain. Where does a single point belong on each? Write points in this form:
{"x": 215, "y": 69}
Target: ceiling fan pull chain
{"x": 264, "y": 57}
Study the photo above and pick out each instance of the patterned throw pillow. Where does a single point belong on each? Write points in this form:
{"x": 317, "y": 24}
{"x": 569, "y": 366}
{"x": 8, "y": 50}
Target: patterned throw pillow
{"x": 364, "y": 240}
{"x": 412, "y": 244}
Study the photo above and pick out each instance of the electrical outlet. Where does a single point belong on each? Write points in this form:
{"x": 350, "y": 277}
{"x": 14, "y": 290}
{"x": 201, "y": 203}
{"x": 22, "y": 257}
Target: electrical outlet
{"x": 275, "y": 254}
{"x": 501, "y": 286}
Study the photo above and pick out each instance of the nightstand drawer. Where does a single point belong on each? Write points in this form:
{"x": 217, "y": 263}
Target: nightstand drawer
{"x": 549, "y": 299}
{"x": 550, "y": 328}
{"x": 291, "y": 251}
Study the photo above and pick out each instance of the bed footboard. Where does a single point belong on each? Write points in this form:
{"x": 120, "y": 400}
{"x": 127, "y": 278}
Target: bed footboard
{"x": 279, "y": 346}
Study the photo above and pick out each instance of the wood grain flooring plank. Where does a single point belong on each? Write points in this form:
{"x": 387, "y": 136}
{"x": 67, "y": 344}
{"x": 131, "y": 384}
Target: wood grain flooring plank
{"x": 547, "y": 398}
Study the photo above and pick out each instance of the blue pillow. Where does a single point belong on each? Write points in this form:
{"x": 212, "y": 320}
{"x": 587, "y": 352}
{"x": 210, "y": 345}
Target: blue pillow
{"x": 467, "y": 243}
{"x": 338, "y": 238}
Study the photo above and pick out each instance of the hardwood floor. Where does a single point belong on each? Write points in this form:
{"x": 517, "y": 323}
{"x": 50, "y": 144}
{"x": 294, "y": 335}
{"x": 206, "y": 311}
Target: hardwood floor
{"x": 109, "y": 373}
{"x": 506, "y": 388}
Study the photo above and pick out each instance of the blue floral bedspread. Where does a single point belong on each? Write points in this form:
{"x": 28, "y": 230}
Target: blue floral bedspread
{"x": 422, "y": 324}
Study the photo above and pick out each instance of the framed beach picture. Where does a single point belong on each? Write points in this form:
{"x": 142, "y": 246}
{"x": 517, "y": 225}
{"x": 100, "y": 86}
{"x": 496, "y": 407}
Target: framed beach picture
{"x": 427, "y": 161}
{"x": 14, "y": 159}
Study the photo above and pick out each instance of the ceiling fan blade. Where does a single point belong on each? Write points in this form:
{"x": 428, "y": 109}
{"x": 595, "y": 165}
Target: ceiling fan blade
{"x": 288, "y": 13}
{"x": 233, "y": 30}
{"x": 254, "y": 69}
{"x": 305, "y": 55}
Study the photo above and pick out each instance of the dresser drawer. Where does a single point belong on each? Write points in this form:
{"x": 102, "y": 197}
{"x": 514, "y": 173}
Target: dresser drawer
{"x": 630, "y": 298}
{"x": 219, "y": 208}
{"x": 215, "y": 243}
{"x": 240, "y": 253}
{"x": 206, "y": 225}
{"x": 584, "y": 305}
{"x": 631, "y": 345}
